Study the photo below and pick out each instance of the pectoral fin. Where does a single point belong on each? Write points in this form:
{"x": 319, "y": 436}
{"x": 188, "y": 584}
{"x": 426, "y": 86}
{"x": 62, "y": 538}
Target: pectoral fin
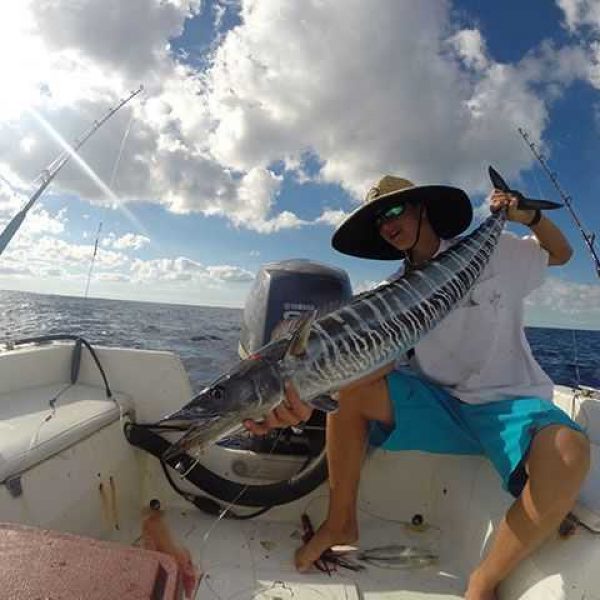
{"x": 533, "y": 204}
{"x": 326, "y": 403}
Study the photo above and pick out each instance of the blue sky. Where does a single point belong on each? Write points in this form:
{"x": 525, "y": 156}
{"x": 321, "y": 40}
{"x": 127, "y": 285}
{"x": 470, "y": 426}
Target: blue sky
{"x": 263, "y": 122}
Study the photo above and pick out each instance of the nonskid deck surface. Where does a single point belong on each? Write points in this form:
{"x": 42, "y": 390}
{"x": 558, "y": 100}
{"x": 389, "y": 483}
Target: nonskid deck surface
{"x": 254, "y": 560}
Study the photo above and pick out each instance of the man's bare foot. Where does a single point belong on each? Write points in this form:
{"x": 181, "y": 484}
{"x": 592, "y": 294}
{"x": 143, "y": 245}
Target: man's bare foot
{"x": 481, "y": 596}
{"x": 477, "y": 590}
{"x": 325, "y": 537}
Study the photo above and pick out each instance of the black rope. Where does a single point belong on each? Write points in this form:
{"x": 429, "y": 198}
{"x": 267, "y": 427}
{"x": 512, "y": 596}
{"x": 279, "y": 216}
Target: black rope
{"x": 211, "y": 506}
{"x": 75, "y": 338}
{"x": 224, "y": 490}
{"x": 208, "y": 505}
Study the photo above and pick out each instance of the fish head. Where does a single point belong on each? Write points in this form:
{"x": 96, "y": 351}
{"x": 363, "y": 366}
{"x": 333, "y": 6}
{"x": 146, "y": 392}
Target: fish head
{"x": 252, "y": 384}
{"x": 247, "y": 391}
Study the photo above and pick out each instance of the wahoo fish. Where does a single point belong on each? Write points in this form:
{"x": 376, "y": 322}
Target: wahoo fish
{"x": 324, "y": 354}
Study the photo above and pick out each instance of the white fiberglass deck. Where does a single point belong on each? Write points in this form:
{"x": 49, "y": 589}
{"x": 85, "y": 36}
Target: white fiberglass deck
{"x": 254, "y": 559}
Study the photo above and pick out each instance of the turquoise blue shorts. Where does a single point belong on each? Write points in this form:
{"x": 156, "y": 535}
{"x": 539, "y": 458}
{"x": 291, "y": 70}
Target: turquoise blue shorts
{"x": 429, "y": 419}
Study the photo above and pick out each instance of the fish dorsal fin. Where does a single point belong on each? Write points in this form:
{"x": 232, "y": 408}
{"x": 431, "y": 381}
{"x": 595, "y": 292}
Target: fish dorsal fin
{"x": 284, "y": 329}
{"x": 300, "y": 333}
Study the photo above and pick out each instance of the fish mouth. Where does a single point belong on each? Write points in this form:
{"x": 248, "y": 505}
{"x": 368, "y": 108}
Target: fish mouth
{"x": 181, "y": 447}
{"x": 193, "y": 436}
{"x": 199, "y": 435}
{"x": 196, "y": 412}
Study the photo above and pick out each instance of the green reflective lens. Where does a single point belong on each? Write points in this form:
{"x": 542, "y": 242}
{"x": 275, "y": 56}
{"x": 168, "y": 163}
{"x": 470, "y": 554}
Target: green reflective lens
{"x": 391, "y": 213}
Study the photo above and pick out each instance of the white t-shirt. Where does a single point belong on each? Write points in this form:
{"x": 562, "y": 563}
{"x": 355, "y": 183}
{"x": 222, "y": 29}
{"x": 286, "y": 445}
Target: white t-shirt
{"x": 479, "y": 352}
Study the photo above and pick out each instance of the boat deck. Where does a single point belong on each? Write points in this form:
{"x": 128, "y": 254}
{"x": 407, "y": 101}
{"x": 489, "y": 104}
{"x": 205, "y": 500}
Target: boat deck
{"x": 261, "y": 567}
{"x": 99, "y": 486}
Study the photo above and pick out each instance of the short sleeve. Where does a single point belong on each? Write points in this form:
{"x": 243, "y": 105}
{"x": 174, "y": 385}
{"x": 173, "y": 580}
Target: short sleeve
{"x": 524, "y": 263}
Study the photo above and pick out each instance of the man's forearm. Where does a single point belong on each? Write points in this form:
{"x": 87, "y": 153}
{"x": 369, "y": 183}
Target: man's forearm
{"x": 553, "y": 241}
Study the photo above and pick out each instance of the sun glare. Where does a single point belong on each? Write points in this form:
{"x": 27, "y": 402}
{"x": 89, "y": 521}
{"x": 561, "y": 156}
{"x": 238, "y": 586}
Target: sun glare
{"x": 88, "y": 170}
{"x": 21, "y": 60}
{"x": 27, "y": 144}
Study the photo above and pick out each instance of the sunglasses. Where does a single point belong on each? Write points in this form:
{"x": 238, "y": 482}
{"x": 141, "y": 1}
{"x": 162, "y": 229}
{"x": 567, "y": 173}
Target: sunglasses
{"x": 389, "y": 214}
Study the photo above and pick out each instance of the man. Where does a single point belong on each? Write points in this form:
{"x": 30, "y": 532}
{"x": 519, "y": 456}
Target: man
{"x": 468, "y": 374}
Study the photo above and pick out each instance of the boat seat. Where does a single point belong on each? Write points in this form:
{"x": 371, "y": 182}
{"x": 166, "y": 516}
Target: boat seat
{"x": 31, "y": 430}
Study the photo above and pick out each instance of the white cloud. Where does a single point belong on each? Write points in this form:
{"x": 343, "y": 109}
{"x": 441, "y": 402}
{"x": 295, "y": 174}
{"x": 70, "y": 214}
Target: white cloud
{"x": 187, "y": 270}
{"x": 405, "y": 103}
{"x": 581, "y": 12}
{"x": 164, "y": 269}
{"x": 42, "y": 253}
{"x": 229, "y": 273}
{"x": 417, "y": 97}
{"x": 582, "y": 18}
{"x": 132, "y": 34}
{"x": 14, "y": 270}
{"x": 128, "y": 241}
{"x": 37, "y": 250}
{"x": 567, "y": 297}
{"x": 40, "y": 221}
{"x": 52, "y": 272}
{"x": 80, "y": 59}
{"x": 11, "y": 201}
{"x": 111, "y": 277}
{"x": 470, "y": 46}
{"x": 332, "y": 217}
{"x": 255, "y": 196}
{"x": 594, "y": 66}
{"x": 277, "y": 91}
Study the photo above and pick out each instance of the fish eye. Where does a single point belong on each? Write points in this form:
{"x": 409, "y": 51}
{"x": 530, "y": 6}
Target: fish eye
{"x": 217, "y": 393}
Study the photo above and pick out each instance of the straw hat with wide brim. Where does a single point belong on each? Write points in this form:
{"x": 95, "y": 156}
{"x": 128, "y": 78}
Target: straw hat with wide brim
{"x": 448, "y": 209}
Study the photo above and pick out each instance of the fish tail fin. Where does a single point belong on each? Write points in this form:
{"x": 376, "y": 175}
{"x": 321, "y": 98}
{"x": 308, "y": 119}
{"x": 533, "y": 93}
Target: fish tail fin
{"x": 524, "y": 203}
{"x": 534, "y": 204}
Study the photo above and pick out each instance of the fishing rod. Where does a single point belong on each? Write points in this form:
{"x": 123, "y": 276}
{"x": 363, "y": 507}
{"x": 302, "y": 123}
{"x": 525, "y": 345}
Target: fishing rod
{"x": 110, "y": 185}
{"x": 50, "y": 172}
{"x": 93, "y": 260}
{"x": 589, "y": 238}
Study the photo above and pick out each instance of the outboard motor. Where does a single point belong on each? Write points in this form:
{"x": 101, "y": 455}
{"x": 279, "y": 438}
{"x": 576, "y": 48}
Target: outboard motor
{"x": 281, "y": 291}
{"x": 285, "y": 290}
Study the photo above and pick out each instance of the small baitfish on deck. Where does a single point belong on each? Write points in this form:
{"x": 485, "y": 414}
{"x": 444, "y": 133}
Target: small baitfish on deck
{"x": 323, "y": 355}
{"x": 397, "y": 556}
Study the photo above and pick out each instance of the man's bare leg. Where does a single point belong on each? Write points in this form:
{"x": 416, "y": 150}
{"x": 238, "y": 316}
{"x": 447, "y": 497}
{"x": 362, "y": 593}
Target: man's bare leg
{"x": 346, "y": 446}
{"x": 557, "y": 465}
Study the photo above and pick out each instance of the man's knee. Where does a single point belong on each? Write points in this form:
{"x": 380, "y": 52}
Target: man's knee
{"x": 570, "y": 447}
{"x": 574, "y": 449}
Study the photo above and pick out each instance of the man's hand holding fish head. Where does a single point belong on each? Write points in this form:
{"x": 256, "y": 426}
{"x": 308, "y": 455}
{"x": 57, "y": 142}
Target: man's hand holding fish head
{"x": 289, "y": 413}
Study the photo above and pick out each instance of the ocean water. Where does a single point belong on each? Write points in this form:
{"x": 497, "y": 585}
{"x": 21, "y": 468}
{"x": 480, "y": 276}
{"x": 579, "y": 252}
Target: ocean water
{"x": 206, "y": 338}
